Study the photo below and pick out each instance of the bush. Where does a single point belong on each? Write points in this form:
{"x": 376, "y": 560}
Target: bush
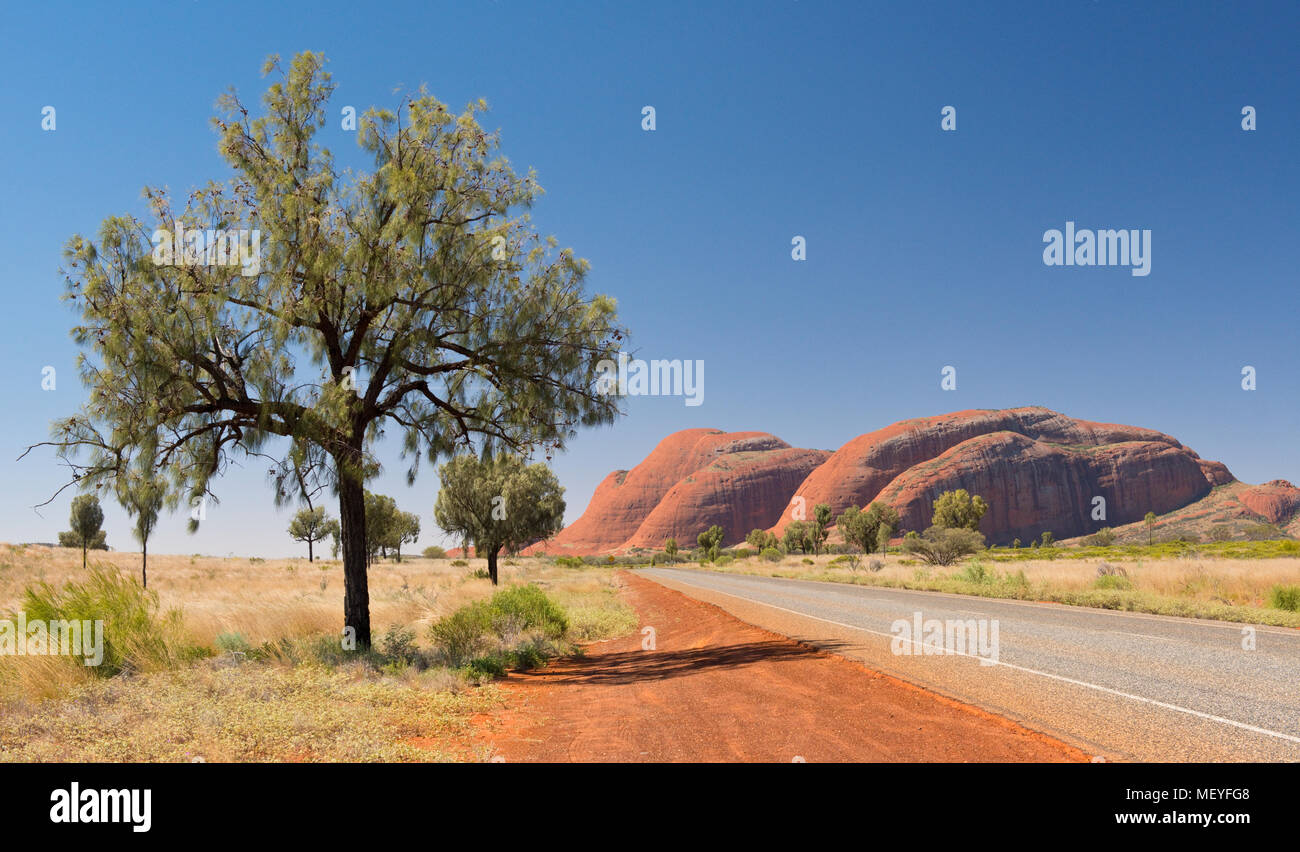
{"x": 1113, "y": 581}
{"x": 459, "y": 563}
{"x": 807, "y": 561}
{"x": 435, "y": 552}
{"x": 771, "y": 554}
{"x": 533, "y": 609}
{"x": 232, "y": 642}
{"x": 1285, "y": 597}
{"x": 943, "y": 545}
{"x": 1103, "y": 537}
{"x": 1263, "y": 532}
{"x": 137, "y": 637}
{"x": 723, "y": 561}
{"x": 1220, "y": 532}
{"x": 568, "y": 561}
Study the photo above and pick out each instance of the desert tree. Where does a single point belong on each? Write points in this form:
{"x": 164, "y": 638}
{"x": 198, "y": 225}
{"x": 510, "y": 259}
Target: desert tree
{"x": 86, "y": 520}
{"x": 499, "y": 502}
{"x": 142, "y": 497}
{"x": 1150, "y": 521}
{"x": 415, "y": 296}
{"x": 798, "y": 536}
{"x": 867, "y": 529}
{"x": 670, "y": 547}
{"x": 820, "y": 526}
{"x": 311, "y": 525}
{"x": 405, "y": 529}
{"x": 710, "y": 540}
{"x": 959, "y": 510}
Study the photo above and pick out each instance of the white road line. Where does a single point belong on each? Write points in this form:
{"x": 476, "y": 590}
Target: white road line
{"x": 986, "y": 661}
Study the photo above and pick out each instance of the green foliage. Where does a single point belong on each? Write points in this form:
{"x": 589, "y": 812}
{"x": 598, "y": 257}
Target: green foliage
{"x": 1285, "y": 597}
{"x": 569, "y": 561}
{"x": 1263, "y": 532}
{"x": 771, "y": 554}
{"x": 761, "y": 540}
{"x": 943, "y": 545}
{"x": 1113, "y": 581}
{"x": 498, "y": 502}
{"x": 434, "y": 552}
{"x": 820, "y": 526}
{"x": 459, "y": 563}
{"x": 1150, "y": 520}
{"x": 709, "y": 541}
{"x": 798, "y": 536}
{"x": 1047, "y": 539}
{"x": 467, "y": 634}
{"x": 311, "y": 526}
{"x": 869, "y": 530}
{"x": 1103, "y": 537}
{"x": 670, "y": 547}
{"x": 958, "y": 510}
{"x": 411, "y": 297}
{"x": 137, "y": 636}
{"x": 232, "y": 642}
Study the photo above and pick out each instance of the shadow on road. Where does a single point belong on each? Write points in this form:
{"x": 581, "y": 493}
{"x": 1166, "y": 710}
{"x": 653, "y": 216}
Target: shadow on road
{"x": 633, "y": 666}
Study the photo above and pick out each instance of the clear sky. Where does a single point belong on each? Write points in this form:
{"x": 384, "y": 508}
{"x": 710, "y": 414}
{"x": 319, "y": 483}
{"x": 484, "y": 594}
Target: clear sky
{"x": 817, "y": 119}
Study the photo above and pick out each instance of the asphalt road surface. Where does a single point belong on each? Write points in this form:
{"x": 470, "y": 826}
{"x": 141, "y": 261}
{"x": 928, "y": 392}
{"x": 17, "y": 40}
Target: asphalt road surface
{"x": 1125, "y": 686}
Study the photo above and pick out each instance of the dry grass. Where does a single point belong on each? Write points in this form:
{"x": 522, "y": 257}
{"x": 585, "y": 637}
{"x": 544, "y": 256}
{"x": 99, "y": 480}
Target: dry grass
{"x": 1227, "y": 589}
{"x": 52, "y": 708}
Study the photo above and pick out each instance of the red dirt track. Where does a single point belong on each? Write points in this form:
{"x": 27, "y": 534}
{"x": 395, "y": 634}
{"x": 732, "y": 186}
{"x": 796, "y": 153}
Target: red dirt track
{"x": 718, "y": 689}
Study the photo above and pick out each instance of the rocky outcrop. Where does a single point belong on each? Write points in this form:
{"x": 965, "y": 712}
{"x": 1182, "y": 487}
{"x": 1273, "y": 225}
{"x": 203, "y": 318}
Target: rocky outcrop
{"x": 736, "y": 476}
{"x": 1039, "y": 470}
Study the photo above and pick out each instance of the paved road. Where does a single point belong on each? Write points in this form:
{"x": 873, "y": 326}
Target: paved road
{"x": 1125, "y": 686}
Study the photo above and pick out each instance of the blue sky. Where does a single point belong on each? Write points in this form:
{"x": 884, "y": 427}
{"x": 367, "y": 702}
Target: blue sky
{"x": 924, "y": 247}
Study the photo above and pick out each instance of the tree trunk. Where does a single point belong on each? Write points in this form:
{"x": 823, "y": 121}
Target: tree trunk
{"x": 83, "y": 554}
{"x": 356, "y": 587}
{"x": 309, "y": 558}
{"x": 144, "y": 563}
{"x": 492, "y": 564}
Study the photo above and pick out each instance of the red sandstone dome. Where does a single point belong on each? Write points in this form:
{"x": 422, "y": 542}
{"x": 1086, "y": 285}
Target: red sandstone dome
{"x": 1039, "y": 470}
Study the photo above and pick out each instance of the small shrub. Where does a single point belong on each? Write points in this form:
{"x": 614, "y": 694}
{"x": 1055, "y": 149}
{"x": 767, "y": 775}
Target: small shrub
{"x": 723, "y": 561}
{"x": 1117, "y": 582}
{"x": 1285, "y": 597}
{"x": 807, "y": 561}
{"x": 232, "y": 642}
{"x": 435, "y": 552}
{"x": 137, "y": 637}
{"x": 459, "y": 563}
{"x": 771, "y": 554}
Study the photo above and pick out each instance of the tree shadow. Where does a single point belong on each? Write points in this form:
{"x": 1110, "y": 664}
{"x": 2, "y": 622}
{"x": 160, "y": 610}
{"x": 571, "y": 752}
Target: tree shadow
{"x": 638, "y": 666}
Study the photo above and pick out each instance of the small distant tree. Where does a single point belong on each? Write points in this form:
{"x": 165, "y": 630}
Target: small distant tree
{"x": 1220, "y": 532}
{"x": 405, "y": 530}
{"x": 1103, "y": 537}
{"x": 866, "y": 529}
{"x": 381, "y": 517}
{"x": 761, "y": 540}
{"x": 943, "y": 545}
{"x": 86, "y": 520}
{"x": 820, "y": 526}
{"x": 498, "y": 502}
{"x": 1047, "y": 539}
{"x": 798, "y": 536}
{"x": 958, "y": 510}
{"x": 710, "y": 540}
{"x": 1015, "y": 544}
{"x": 883, "y": 534}
{"x": 311, "y": 526}
{"x": 1150, "y": 521}
{"x": 433, "y": 551}
{"x": 142, "y": 498}
{"x": 670, "y": 548}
